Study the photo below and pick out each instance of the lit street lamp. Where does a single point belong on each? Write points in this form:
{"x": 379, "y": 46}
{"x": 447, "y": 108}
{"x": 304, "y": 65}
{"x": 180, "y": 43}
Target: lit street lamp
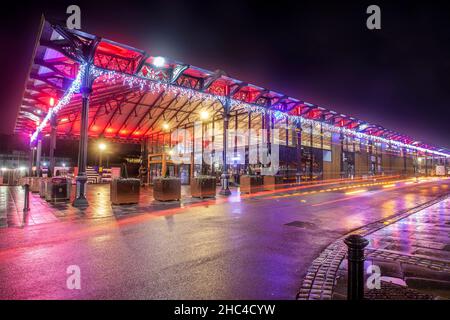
{"x": 165, "y": 126}
{"x": 204, "y": 115}
{"x": 159, "y": 62}
{"x": 101, "y": 148}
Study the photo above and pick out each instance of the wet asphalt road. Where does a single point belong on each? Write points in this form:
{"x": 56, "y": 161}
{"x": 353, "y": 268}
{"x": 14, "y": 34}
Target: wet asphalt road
{"x": 240, "y": 249}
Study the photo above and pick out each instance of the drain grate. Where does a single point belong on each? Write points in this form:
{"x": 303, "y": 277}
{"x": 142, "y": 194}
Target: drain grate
{"x": 301, "y": 224}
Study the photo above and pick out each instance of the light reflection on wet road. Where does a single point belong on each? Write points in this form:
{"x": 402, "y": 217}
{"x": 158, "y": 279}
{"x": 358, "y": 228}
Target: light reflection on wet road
{"x": 240, "y": 249}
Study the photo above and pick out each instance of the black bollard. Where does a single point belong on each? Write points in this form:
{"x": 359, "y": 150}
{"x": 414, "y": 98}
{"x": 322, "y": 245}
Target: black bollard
{"x": 26, "y": 202}
{"x": 355, "y": 285}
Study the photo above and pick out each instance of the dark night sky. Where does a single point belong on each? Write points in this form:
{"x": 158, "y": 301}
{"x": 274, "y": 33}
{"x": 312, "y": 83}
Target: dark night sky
{"x": 318, "y": 51}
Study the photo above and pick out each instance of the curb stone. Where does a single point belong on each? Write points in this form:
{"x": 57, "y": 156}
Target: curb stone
{"x": 320, "y": 279}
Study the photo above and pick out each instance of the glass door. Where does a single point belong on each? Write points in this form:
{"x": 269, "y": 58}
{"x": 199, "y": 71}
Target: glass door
{"x": 155, "y": 171}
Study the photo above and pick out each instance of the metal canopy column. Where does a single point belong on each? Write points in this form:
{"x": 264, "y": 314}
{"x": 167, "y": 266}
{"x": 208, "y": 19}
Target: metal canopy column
{"x": 225, "y": 177}
{"x": 31, "y": 161}
{"x": 299, "y": 152}
{"x": 203, "y": 164}
{"x": 389, "y": 154}
{"x": 144, "y": 157}
{"x": 247, "y": 145}
{"x": 236, "y": 125}
{"x": 445, "y": 165}
{"x": 53, "y": 124}
{"x": 213, "y": 151}
{"x": 192, "y": 152}
{"x": 341, "y": 138}
{"x": 369, "y": 157}
{"x": 81, "y": 179}
{"x": 38, "y": 156}
{"x": 404, "y": 162}
{"x": 432, "y": 164}
{"x": 311, "y": 162}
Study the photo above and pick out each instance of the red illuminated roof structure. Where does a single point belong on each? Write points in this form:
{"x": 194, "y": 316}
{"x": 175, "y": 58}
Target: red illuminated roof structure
{"x": 178, "y": 92}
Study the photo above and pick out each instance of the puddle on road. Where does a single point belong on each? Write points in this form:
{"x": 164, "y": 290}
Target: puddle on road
{"x": 301, "y": 224}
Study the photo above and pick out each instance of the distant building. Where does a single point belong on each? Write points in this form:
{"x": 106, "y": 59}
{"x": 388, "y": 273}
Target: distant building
{"x": 20, "y": 159}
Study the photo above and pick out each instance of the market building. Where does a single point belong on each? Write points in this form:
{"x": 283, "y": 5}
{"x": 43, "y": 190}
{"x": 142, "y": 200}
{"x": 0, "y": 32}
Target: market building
{"x": 81, "y": 86}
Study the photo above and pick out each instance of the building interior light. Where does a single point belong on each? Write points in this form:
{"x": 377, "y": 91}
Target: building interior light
{"x": 204, "y": 115}
{"x": 356, "y": 191}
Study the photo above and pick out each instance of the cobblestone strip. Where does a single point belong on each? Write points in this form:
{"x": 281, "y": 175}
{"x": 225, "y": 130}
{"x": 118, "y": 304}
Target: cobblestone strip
{"x": 405, "y": 258}
{"x": 318, "y": 284}
{"x": 319, "y": 280}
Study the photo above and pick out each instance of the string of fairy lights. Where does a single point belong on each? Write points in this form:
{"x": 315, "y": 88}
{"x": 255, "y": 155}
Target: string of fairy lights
{"x": 157, "y": 86}
{"x": 153, "y": 86}
{"x": 73, "y": 89}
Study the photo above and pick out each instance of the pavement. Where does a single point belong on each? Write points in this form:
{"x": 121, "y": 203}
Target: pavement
{"x": 413, "y": 255}
{"x": 241, "y": 247}
{"x": 12, "y": 203}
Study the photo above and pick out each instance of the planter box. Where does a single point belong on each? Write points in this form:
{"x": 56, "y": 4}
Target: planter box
{"x": 167, "y": 189}
{"x": 251, "y": 184}
{"x": 24, "y": 180}
{"x": 57, "y": 189}
{"x": 272, "y": 182}
{"x": 125, "y": 191}
{"x": 204, "y": 187}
